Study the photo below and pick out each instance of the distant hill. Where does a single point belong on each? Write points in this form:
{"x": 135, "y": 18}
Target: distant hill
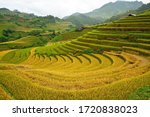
{"x": 30, "y": 19}
{"x": 15, "y": 25}
{"x": 5, "y": 11}
{"x": 80, "y": 19}
{"x": 112, "y": 9}
{"x": 103, "y": 13}
{"x": 143, "y": 8}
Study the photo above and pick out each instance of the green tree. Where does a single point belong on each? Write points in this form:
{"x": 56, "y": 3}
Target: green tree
{"x": 3, "y": 39}
{"x": 7, "y": 32}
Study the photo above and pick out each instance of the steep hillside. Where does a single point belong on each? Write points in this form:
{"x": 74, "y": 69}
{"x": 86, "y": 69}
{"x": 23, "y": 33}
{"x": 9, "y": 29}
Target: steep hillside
{"x": 81, "y": 20}
{"x": 143, "y": 8}
{"x": 138, "y": 11}
{"x": 16, "y": 25}
{"x": 112, "y": 9}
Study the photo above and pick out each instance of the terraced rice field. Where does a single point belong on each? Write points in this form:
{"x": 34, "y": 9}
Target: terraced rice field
{"x": 109, "y": 62}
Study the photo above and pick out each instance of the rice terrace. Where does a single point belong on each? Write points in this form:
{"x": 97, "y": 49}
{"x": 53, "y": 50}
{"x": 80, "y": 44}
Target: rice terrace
{"x": 42, "y": 59}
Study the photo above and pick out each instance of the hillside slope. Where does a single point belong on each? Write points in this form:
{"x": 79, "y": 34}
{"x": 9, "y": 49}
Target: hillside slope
{"x": 15, "y": 25}
{"x": 80, "y": 19}
{"x": 137, "y": 11}
{"x": 112, "y": 9}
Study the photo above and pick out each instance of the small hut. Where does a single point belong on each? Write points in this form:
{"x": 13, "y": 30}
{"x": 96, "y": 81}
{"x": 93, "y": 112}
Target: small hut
{"x": 131, "y": 14}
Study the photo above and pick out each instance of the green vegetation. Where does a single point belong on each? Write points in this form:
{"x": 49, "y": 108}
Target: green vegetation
{"x": 80, "y": 20}
{"x": 16, "y": 56}
{"x": 73, "y": 34}
{"x": 20, "y": 30}
{"x": 61, "y": 27}
{"x": 113, "y": 9}
{"x": 15, "y": 25}
{"x": 140, "y": 10}
{"x": 57, "y": 38}
{"x": 141, "y": 94}
{"x": 25, "y": 42}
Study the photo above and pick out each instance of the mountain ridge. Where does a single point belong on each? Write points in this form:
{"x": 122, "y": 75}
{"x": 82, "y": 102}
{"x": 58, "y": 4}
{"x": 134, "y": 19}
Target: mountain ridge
{"x": 141, "y": 9}
{"x": 114, "y": 8}
{"x": 106, "y": 11}
{"x": 80, "y": 19}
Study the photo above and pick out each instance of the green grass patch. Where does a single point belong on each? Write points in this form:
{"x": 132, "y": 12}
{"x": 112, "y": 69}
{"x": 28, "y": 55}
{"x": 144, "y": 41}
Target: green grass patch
{"x": 48, "y": 50}
{"x": 25, "y": 42}
{"x": 16, "y": 56}
{"x": 57, "y": 38}
{"x": 142, "y": 93}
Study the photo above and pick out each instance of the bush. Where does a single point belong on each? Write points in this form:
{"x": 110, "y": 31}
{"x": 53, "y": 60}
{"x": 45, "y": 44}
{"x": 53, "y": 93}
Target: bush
{"x": 57, "y": 38}
{"x": 3, "y": 38}
{"x": 35, "y": 33}
{"x": 7, "y": 32}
